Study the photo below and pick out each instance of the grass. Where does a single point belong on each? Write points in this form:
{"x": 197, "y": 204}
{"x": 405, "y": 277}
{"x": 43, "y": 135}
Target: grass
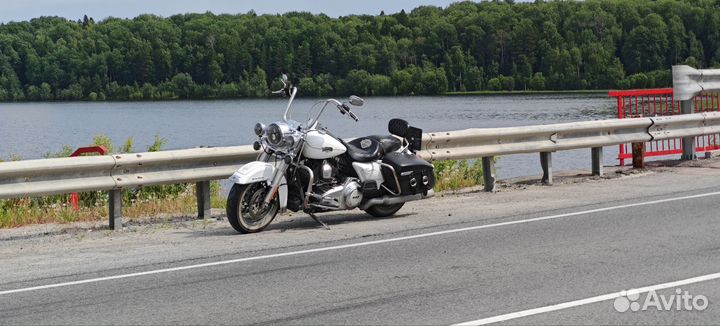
{"x": 453, "y": 175}
{"x": 23, "y": 211}
{"x": 167, "y": 200}
{"x": 215, "y": 200}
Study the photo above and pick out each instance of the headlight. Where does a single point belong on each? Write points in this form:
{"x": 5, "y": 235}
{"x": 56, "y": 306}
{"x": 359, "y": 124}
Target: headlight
{"x": 259, "y": 129}
{"x": 274, "y": 134}
{"x": 280, "y": 136}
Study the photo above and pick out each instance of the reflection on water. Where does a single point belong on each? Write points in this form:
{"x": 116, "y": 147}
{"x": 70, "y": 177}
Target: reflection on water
{"x": 33, "y": 129}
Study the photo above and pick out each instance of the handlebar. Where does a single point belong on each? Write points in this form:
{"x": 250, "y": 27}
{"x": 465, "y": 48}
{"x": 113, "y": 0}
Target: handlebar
{"x": 342, "y": 107}
{"x": 284, "y": 92}
{"x": 346, "y": 109}
{"x": 352, "y": 115}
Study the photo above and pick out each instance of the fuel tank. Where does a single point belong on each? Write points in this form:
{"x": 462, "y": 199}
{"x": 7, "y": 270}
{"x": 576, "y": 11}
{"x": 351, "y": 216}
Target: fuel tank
{"x": 319, "y": 145}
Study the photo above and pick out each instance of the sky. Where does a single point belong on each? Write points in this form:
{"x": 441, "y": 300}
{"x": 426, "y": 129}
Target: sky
{"x": 20, "y": 10}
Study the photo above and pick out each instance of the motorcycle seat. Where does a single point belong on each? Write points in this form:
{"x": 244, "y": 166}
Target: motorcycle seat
{"x": 388, "y": 143}
{"x": 364, "y": 149}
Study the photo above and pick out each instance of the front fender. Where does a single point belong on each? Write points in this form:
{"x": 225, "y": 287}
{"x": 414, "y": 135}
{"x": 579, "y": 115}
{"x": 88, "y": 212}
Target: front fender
{"x": 261, "y": 172}
{"x": 253, "y": 172}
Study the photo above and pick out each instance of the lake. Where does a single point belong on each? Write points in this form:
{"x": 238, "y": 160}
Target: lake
{"x": 31, "y": 130}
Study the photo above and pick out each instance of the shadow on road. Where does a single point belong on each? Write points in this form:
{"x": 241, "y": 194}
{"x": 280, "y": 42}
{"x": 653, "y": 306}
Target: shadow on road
{"x": 300, "y": 221}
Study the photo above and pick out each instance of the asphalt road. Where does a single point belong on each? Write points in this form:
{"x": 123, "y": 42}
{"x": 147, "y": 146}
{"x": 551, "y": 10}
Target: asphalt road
{"x": 463, "y": 270}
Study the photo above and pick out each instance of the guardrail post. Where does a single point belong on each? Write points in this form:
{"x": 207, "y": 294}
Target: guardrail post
{"x": 546, "y": 163}
{"x": 202, "y": 192}
{"x": 488, "y": 165}
{"x": 597, "y": 160}
{"x": 115, "y": 206}
{"x": 638, "y": 150}
{"x": 688, "y": 143}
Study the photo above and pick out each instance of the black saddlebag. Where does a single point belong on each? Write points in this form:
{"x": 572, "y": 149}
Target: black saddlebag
{"x": 414, "y": 174}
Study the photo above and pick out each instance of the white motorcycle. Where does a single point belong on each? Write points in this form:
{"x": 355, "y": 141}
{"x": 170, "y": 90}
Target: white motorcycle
{"x": 303, "y": 166}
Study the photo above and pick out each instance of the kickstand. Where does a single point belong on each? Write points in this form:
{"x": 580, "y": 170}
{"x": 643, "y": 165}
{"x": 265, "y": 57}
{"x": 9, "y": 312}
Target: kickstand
{"x": 314, "y": 217}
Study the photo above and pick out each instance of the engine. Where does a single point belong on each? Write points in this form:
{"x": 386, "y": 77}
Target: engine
{"x": 345, "y": 196}
{"x": 334, "y": 189}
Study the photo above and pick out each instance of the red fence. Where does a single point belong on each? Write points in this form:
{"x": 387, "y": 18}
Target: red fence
{"x": 659, "y": 102}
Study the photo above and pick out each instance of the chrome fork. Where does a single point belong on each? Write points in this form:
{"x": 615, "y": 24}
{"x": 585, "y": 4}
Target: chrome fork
{"x": 275, "y": 183}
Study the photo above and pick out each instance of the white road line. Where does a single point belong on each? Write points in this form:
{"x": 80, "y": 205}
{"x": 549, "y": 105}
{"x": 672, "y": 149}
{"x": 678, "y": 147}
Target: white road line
{"x": 581, "y": 302}
{"x": 352, "y": 245}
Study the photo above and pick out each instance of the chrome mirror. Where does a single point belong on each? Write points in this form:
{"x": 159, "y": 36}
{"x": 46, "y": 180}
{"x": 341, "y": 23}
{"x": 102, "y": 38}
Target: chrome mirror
{"x": 284, "y": 79}
{"x": 356, "y": 101}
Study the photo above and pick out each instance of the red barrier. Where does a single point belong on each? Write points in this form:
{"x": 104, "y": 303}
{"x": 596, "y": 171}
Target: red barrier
{"x": 660, "y": 102}
{"x": 74, "y": 199}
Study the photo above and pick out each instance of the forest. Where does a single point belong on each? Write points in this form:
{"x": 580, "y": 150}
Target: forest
{"x": 468, "y": 46}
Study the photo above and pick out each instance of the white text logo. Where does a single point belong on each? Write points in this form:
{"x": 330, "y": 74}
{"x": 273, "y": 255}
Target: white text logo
{"x": 680, "y": 301}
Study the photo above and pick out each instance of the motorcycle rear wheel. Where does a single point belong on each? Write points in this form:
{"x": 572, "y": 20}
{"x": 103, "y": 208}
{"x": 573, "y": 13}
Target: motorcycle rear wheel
{"x": 245, "y": 211}
{"x": 384, "y": 210}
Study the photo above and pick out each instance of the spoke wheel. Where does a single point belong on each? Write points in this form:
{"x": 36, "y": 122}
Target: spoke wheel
{"x": 246, "y": 210}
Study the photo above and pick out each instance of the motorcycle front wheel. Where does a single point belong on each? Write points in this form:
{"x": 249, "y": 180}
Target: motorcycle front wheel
{"x": 245, "y": 209}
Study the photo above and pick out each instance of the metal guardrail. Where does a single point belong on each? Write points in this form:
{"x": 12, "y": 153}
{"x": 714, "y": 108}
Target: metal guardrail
{"x": 123, "y": 171}
{"x": 114, "y": 173}
{"x": 43, "y": 177}
{"x": 688, "y": 125}
{"x": 56, "y": 176}
{"x": 473, "y": 143}
{"x": 179, "y": 166}
{"x": 687, "y": 83}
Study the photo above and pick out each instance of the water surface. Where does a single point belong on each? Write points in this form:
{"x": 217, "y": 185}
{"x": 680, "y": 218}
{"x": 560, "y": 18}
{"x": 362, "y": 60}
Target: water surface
{"x": 31, "y": 130}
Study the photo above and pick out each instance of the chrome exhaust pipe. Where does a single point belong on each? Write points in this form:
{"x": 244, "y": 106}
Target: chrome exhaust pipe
{"x": 388, "y": 200}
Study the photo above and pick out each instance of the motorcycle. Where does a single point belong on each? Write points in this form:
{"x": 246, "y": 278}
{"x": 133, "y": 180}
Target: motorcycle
{"x": 302, "y": 166}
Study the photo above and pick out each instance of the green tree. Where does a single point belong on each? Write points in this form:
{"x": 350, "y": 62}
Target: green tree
{"x": 494, "y": 84}
{"x": 182, "y": 85}
{"x": 475, "y": 45}
{"x": 646, "y": 46}
{"x": 537, "y": 82}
